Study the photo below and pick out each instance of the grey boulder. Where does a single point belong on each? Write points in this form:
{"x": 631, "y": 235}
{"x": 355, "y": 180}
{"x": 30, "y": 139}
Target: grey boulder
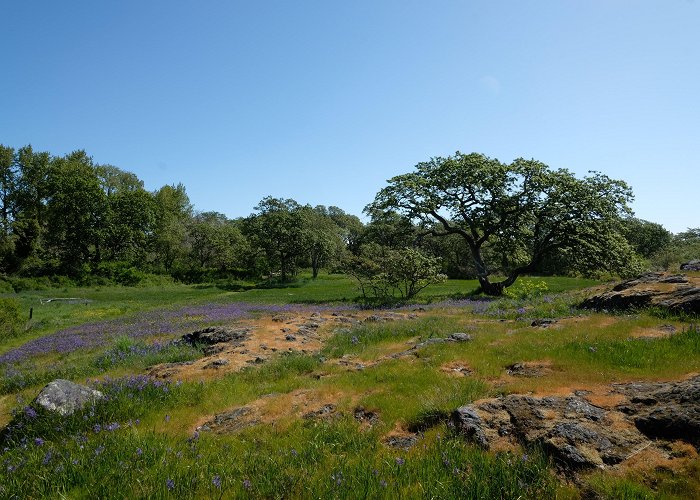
{"x": 65, "y": 397}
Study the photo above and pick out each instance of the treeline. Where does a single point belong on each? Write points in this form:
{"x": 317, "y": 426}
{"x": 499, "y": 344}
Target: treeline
{"x": 68, "y": 216}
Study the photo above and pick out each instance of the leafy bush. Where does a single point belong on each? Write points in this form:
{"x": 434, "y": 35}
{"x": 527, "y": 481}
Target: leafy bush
{"x": 526, "y": 289}
{"x": 10, "y": 317}
{"x": 386, "y": 275}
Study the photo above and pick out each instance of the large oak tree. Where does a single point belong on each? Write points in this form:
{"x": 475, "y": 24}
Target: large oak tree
{"x": 517, "y": 213}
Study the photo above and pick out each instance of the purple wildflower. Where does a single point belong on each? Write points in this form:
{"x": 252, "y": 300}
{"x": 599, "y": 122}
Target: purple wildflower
{"x": 47, "y": 458}
{"x": 216, "y": 481}
{"x": 400, "y": 461}
{"x": 383, "y": 483}
{"x": 38, "y": 442}
{"x": 30, "y": 412}
{"x": 170, "y": 484}
{"x": 96, "y": 428}
{"x": 167, "y": 418}
{"x": 139, "y": 452}
{"x": 247, "y": 484}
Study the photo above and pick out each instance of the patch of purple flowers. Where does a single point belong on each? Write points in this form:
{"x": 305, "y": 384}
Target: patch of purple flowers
{"x": 144, "y": 326}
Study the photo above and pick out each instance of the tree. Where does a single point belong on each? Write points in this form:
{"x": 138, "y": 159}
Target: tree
{"x": 115, "y": 180}
{"x": 173, "y": 212}
{"x": 277, "y": 230}
{"x": 646, "y": 238}
{"x": 322, "y": 237}
{"x": 75, "y": 211}
{"x": 7, "y": 187}
{"x": 130, "y": 219}
{"x": 351, "y": 228}
{"x": 519, "y": 212}
{"x": 29, "y": 200}
{"x": 216, "y": 242}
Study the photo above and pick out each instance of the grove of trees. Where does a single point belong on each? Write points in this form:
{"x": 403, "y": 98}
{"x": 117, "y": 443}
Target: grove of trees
{"x": 464, "y": 216}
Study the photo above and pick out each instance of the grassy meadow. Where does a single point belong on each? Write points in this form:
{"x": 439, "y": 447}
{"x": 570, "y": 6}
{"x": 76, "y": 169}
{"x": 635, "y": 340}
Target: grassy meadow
{"x": 143, "y": 442}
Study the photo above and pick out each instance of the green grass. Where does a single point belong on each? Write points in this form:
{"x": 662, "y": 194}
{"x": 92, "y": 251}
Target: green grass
{"x": 339, "y": 458}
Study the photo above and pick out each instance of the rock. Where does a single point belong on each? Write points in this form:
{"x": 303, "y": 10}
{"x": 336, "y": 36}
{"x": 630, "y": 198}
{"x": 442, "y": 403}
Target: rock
{"x": 365, "y": 416}
{"x": 65, "y": 397}
{"x": 401, "y": 442}
{"x": 290, "y": 337}
{"x": 676, "y": 292}
{"x": 466, "y": 421}
{"x": 216, "y": 364}
{"x": 282, "y": 317}
{"x": 693, "y": 265}
{"x": 214, "y": 349}
{"x": 232, "y": 420}
{"x": 576, "y": 433}
{"x": 543, "y": 322}
{"x": 327, "y": 411}
{"x": 580, "y": 435}
{"x": 667, "y": 410}
{"x": 460, "y": 337}
{"x": 528, "y": 369}
{"x": 216, "y": 335}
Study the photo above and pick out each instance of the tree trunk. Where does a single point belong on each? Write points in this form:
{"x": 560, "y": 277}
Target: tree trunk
{"x": 492, "y": 289}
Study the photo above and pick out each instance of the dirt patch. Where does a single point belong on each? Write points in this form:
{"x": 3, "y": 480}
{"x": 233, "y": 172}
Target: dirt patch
{"x": 658, "y": 332}
{"x": 598, "y": 321}
{"x": 530, "y": 369}
{"x": 272, "y": 409}
{"x": 456, "y": 369}
{"x": 266, "y": 337}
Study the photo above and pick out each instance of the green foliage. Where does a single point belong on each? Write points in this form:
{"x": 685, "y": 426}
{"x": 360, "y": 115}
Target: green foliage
{"x": 10, "y": 317}
{"x": 385, "y": 274}
{"x": 683, "y": 247}
{"x": 517, "y": 213}
{"x": 277, "y": 229}
{"x": 527, "y": 289}
{"x": 646, "y": 238}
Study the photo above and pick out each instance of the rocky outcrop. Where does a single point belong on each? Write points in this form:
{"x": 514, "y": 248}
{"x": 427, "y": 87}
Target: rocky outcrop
{"x": 216, "y": 335}
{"x": 676, "y": 292}
{"x": 669, "y": 410}
{"x": 579, "y": 434}
{"x": 233, "y": 420}
{"x": 693, "y": 265}
{"x": 65, "y": 397}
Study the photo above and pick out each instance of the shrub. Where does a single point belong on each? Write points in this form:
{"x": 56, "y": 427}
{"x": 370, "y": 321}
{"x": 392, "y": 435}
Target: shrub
{"x": 386, "y": 275}
{"x": 10, "y": 317}
{"x": 526, "y": 289}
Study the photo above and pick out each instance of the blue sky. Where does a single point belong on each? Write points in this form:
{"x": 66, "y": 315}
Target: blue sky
{"x": 322, "y": 101}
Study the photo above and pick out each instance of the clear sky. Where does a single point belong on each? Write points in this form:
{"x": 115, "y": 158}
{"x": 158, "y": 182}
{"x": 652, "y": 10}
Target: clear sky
{"x": 322, "y": 101}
